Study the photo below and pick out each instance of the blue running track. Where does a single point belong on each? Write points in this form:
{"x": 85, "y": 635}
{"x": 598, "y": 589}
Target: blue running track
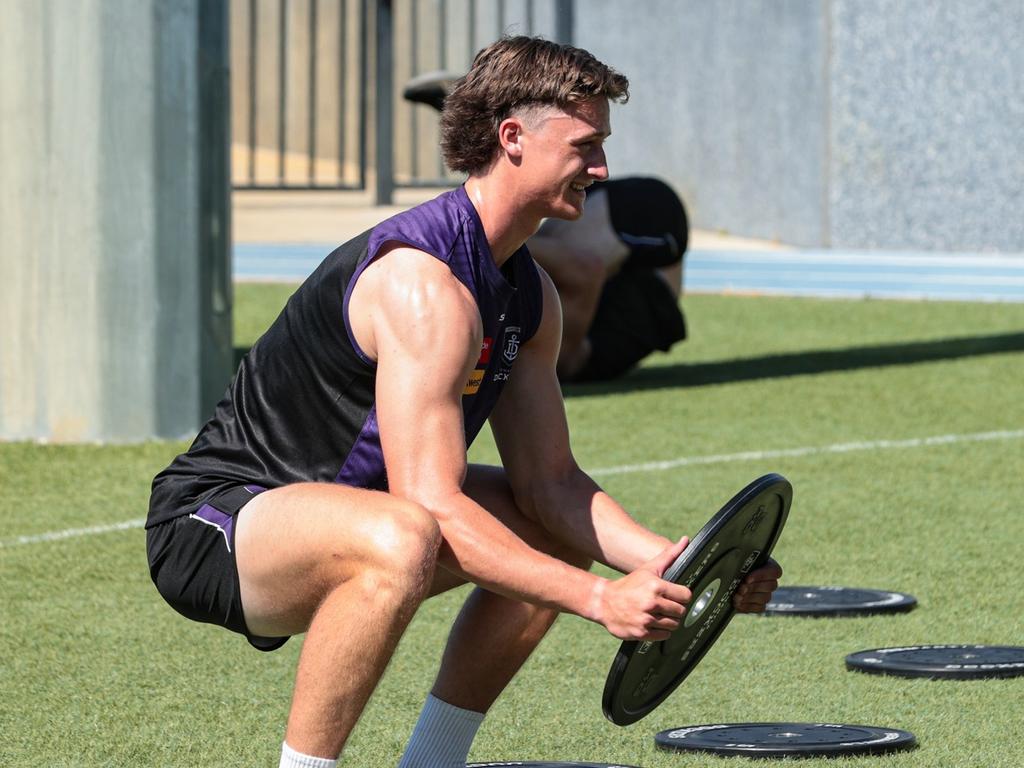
{"x": 822, "y": 273}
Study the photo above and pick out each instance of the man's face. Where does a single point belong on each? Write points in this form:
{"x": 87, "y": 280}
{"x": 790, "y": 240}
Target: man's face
{"x": 563, "y": 154}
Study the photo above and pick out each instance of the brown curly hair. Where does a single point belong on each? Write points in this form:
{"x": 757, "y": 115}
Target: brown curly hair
{"x": 510, "y": 74}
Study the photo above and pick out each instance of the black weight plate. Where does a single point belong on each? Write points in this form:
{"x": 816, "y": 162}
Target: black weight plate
{"x": 738, "y": 539}
{"x": 955, "y": 662}
{"x": 785, "y": 739}
{"x": 535, "y": 764}
{"x": 837, "y": 601}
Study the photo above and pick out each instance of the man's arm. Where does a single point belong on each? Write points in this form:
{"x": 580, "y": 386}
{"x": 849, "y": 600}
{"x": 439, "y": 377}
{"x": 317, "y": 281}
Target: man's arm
{"x": 530, "y": 428}
{"x": 424, "y": 330}
{"x": 532, "y": 435}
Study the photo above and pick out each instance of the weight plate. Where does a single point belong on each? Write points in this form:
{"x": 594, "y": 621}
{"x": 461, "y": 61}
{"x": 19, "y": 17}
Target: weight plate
{"x": 785, "y": 739}
{"x": 957, "y": 662}
{"x": 837, "y": 601}
{"x": 737, "y": 540}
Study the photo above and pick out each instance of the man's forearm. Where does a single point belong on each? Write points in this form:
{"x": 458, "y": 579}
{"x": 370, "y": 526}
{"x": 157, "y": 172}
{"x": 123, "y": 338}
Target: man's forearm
{"x": 579, "y": 513}
{"x": 481, "y": 549}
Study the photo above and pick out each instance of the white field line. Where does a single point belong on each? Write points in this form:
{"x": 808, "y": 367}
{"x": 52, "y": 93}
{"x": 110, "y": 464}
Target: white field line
{"x": 624, "y": 469}
{"x": 870, "y": 445}
{"x": 71, "y": 533}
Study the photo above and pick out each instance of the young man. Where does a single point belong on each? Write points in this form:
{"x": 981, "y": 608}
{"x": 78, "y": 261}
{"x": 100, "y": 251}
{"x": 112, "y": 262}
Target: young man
{"x": 330, "y": 493}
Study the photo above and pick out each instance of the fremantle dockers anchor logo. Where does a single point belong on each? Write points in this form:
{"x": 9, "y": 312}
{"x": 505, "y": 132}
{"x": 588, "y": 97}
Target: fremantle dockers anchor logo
{"x": 510, "y": 344}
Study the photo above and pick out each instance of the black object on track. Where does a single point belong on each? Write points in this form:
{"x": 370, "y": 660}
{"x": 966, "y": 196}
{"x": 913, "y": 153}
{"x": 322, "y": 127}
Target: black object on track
{"x": 734, "y": 542}
{"x": 837, "y": 601}
{"x": 954, "y": 662}
{"x": 785, "y": 739}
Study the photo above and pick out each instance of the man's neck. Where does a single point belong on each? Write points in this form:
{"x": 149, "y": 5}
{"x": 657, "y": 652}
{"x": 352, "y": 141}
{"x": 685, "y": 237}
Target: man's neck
{"x": 506, "y": 225}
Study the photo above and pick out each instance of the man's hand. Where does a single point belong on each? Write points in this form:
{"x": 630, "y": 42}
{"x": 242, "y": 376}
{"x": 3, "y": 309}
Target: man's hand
{"x": 756, "y": 590}
{"x": 642, "y": 605}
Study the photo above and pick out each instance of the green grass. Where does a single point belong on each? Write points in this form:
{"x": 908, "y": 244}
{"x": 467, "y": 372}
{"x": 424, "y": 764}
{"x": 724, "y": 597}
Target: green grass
{"x": 97, "y": 671}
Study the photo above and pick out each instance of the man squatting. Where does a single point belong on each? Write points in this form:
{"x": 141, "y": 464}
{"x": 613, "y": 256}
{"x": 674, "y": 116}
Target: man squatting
{"x": 330, "y": 492}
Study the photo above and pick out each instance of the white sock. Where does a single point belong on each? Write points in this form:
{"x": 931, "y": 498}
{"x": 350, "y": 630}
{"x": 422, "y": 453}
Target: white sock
{"x": 442, "y": 736}
{"x": 292, "y": 759}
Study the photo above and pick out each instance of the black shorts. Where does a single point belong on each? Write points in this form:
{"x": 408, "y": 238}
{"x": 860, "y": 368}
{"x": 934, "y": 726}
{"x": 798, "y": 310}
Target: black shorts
{"x": 650, "y": 218}
{"x": 637, "y": 314}
{"x": 192, "y": 563}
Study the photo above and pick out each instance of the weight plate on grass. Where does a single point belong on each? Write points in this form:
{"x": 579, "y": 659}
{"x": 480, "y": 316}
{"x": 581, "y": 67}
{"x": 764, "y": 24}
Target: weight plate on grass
{"x": 785, "y": 739}
{"x": 738, "y": 539}
{"x": 954, "y": 662}
{"x": 836, "y": 601}
{"x": 535, "y": 764}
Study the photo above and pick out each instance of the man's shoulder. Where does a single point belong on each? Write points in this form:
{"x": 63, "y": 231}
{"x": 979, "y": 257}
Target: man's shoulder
{"x": 434, "y": 226}
{"x": 403, "y": 276}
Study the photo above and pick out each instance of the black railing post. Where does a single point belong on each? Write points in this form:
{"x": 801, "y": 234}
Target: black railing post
{"x": 384, "y": 144}
{"x": 253, "y": 103}
{"x": 282, "y": 91}
{"x": 564, "y": 21}
{"x": 342, "y": 86}
{"x": 363, "y": 89}
{"x": 311, "y": 106}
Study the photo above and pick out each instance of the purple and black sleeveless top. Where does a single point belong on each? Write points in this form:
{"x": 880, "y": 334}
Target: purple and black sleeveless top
{"x": 302, "y": 405}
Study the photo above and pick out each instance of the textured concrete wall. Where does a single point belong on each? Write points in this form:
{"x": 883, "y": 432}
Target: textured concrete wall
{"x": 101, "y": 316}
{"x": 927, "y": 124}
{"x": 727, "y": 100}
{"x": 854, "y": 123}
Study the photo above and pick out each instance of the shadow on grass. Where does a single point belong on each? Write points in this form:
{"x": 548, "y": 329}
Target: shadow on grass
{"x": 793, "y": 364}
{"x": 801, "y": 364}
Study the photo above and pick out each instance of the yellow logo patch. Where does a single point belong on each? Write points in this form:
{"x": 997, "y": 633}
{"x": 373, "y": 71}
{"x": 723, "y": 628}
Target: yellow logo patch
{"x": 476, "y": 378}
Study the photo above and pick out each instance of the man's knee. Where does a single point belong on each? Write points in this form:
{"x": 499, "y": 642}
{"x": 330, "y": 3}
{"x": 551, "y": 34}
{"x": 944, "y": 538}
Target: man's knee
{"x": 403, "y": 545}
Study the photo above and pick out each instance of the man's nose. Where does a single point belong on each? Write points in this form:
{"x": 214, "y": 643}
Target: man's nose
{"x": 598, "y": 168}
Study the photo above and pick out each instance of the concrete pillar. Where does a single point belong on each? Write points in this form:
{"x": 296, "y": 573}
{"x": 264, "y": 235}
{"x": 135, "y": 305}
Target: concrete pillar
{"x": 114, "y": 292}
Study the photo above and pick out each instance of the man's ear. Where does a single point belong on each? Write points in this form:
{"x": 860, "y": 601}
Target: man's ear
{"x": 510, "y": 137}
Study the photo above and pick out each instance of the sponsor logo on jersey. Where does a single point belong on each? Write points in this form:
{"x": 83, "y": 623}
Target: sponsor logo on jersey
{"x": 476, "y": 378}
{"x": 485, "y": 351}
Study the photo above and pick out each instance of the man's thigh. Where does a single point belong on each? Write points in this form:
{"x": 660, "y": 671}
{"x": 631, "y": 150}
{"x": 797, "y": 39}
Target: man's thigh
{"x": 298, "y": 542}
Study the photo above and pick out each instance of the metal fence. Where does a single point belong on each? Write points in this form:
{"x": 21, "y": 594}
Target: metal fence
{"x": 316, "y": 85}
{"x": 299, "y": 101}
